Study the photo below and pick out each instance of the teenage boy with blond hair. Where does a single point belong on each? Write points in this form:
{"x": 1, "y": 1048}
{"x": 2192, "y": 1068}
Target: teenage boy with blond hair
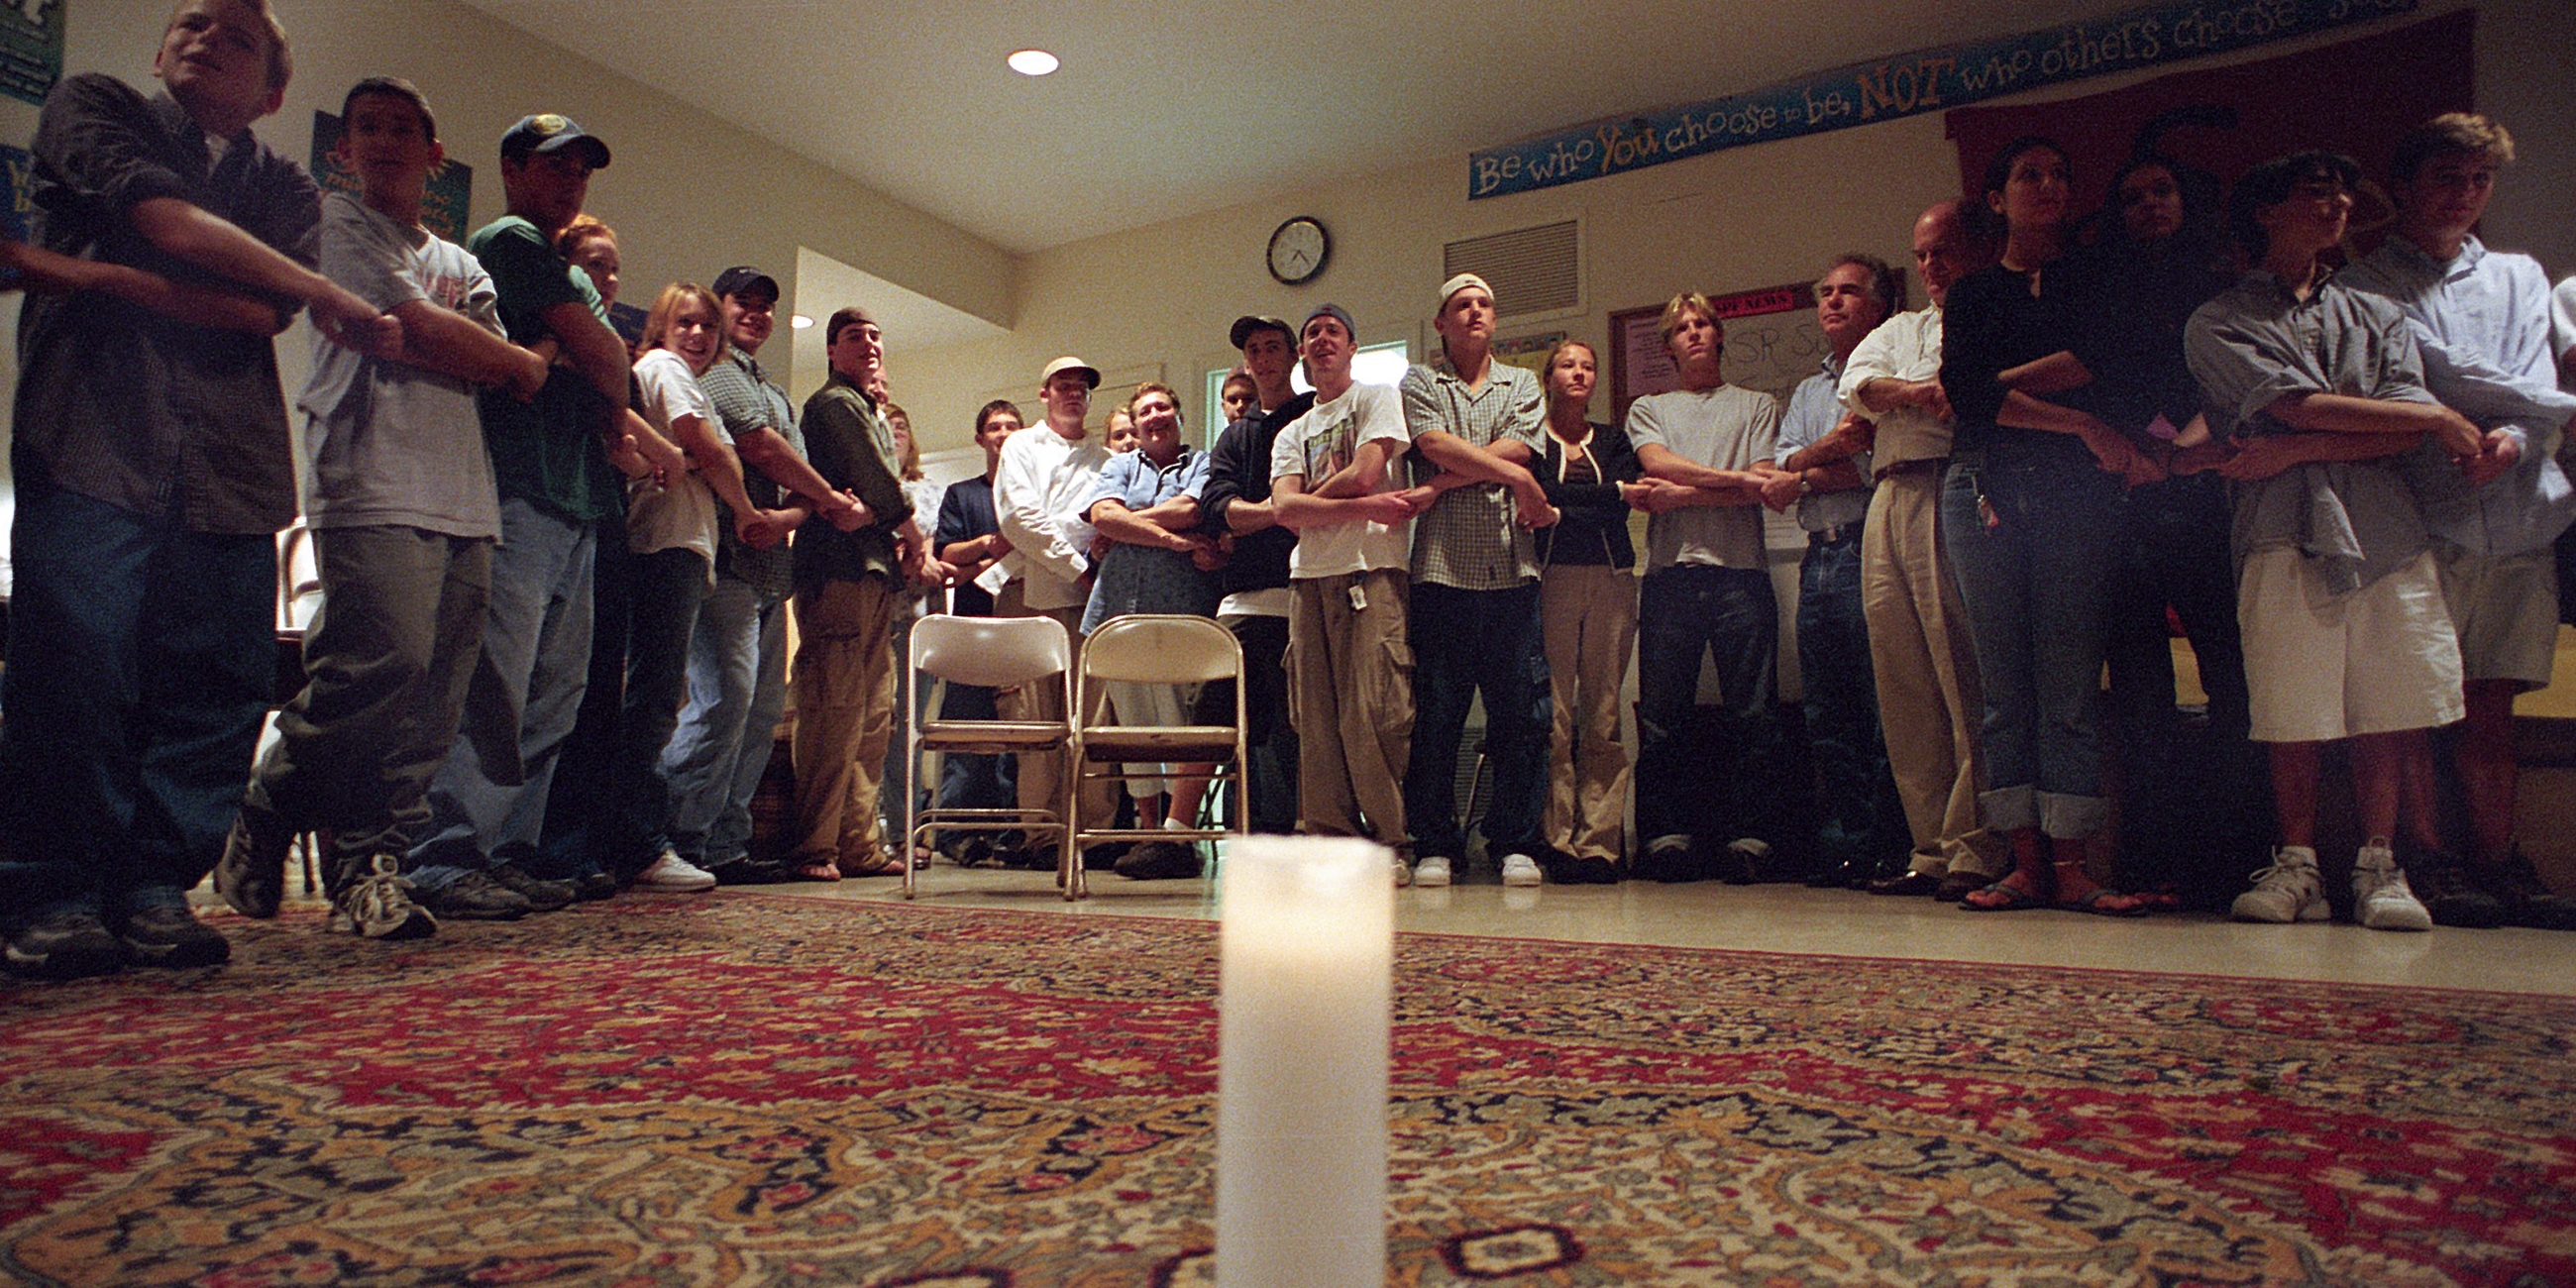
{"x": 153, "y": 470}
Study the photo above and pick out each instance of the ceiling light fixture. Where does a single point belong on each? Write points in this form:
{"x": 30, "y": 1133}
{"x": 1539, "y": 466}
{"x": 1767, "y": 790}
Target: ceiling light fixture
{"x": 800, "y": 322}
{"x": 1033, "y": 62}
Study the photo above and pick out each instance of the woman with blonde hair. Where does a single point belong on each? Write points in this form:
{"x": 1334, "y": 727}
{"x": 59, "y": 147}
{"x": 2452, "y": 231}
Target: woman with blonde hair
{"x": 671, "y": 535}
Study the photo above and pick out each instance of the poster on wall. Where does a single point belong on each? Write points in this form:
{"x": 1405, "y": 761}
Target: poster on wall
{"x": 443, "y": 208}
{"x": 13, "y": 215}
{"x": 31, "y": 48}
{"x": 1528, "y": 352}
{"x": 1772, "y": 343}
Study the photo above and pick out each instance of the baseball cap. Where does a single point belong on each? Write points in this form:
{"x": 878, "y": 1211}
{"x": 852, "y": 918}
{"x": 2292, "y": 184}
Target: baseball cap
{"x": 742, "y": 279}
{"x": 551, "y": 132}
{"x": 1250, "y": 322}
{"x": 1331, "y": 311}
{"x": 1459, "y": 283}
{"x": 1090, "y": 374}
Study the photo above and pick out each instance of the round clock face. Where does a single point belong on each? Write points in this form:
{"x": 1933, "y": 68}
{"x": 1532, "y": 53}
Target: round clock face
{"x": 1298, "y": 250}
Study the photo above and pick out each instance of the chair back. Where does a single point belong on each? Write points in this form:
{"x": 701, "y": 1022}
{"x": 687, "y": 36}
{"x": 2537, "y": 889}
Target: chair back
{"x": 1158, "y": 648}
{"x": 990, "y": 652}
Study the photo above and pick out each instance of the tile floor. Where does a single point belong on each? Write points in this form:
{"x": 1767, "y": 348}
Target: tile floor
{"x": 1792, "y": 918}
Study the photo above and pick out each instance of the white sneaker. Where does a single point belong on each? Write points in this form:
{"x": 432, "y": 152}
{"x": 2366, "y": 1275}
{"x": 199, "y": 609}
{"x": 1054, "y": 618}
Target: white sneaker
{"x": 671, "y": 874}
{"x": 1520, "y": 870}
{"x": 2380, "y": 897}
{"x": 1433, "y": 871}
{"x": 2289, "y": 890}
{"x": 1403, "y": 873}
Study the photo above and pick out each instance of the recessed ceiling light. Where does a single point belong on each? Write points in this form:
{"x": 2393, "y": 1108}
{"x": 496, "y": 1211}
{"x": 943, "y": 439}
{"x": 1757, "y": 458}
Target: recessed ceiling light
{"x": 1032, "y": 62}
{"x": 800, "y": 322}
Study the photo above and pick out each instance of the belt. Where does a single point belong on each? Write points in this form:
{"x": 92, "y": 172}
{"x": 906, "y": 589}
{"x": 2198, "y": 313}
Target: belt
{"x": 1931, "y": 464}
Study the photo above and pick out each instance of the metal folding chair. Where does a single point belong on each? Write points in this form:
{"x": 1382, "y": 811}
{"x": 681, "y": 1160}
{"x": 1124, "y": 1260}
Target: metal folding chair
{"x": 999, "y": 653}
{"x": 1155, "y": 648}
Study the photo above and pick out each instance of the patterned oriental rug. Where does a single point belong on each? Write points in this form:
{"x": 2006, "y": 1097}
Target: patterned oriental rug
{"x": 762, "y": 1089}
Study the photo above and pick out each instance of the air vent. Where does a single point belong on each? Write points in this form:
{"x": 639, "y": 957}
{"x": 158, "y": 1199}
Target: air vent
{"x": 1532, "y": 270}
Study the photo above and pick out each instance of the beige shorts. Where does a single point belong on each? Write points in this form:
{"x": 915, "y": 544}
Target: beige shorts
{"x": 2377, "y": 660}
{"x": 2505, "y": 608}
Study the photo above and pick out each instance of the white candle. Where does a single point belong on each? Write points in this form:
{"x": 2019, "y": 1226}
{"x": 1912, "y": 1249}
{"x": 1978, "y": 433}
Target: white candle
{"x": 1305, "y": 995}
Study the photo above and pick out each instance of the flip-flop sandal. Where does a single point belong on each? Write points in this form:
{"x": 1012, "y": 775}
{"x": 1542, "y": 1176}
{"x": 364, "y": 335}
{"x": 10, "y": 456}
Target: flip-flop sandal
{"x": 2012, "y": 899}
{"x": 823, "y": 870}
{"x": 2098, "y": 904}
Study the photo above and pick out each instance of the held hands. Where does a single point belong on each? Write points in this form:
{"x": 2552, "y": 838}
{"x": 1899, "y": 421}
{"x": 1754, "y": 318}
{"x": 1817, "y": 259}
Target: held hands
{"x": 1654, "y": 496}
{"x": 1926, "y": 394}
{"x": 2259, "y": 457}
{"x": 845, "y": 512}
{"x": 627, "y": 459}
{"x": 1393, "y": 507}
{"x": 352, "y": 323}
{"x": 765, "y": 529}
{"x": 2498, "y": 452}
{"x": 1782, "y": 490}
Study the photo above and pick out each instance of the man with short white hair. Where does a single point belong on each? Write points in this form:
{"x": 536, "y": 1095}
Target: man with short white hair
{"x": 1824, "y": 478}
{"x": 1475, "y": 619}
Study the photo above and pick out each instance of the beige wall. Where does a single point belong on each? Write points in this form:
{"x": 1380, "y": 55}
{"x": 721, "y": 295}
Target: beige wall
{"x": 691, "y": 194}
{"x": 1752, "y": 217}
{"x": 688, "y": 194}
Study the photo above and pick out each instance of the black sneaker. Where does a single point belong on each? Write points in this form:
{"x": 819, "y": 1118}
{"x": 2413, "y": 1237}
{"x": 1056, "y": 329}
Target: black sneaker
{"x": 593, "y": 883}
{"x": 2527, "y": 900}
{"x": 163, "y": 931}
{"x": 66, "y": 942}
{"x": 542, "y": 895}
{"x": 750, "y": 871}
{"x": 475, "y": 896}
{"x": 251, "y": 876}
{"x": 1159, "y": 861}
{"x": 2454, "y": 897}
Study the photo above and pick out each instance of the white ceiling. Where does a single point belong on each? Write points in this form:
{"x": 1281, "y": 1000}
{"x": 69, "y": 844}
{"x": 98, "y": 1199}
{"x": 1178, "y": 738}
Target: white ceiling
{"x": 1164, "y": 110}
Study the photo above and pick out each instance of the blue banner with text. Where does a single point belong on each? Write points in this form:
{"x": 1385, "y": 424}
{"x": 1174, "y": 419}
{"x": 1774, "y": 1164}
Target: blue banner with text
{"x": 1924, "y": 81}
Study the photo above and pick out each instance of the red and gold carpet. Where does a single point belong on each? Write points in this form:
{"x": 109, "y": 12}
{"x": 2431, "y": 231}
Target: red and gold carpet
{"x": 774, "y": 1090}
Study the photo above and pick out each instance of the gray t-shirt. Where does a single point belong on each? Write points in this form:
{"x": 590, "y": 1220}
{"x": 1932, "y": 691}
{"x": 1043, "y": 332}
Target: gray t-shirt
{"x": 1727, "y": 428}
{"x": 385, "y": 442}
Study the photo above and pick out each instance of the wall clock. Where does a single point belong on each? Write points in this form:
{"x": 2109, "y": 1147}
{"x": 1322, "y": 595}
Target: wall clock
{"x": 1298, "y": 250}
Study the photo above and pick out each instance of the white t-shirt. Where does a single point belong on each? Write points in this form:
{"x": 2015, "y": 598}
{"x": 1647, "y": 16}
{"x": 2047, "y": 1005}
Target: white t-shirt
{"x": 385, "y": 442}
{"x": 682, "y": 514}
{"x": 1316, "y": 446}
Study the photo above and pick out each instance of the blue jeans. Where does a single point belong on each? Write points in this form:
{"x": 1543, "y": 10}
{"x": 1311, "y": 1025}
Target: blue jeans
{"x": 2195, "y": 809}
{"x": 1270, "y": 792}
{"x": 1858, "y": 817}
{"x": 1466, "y": 641}
{"x": 737, "y": 693}
{"x": 668, "y": 586}
{"x": 579, "y": 805}
{"x": 141, "y": 660}
{"x": 974, "y": 782}
{"x": 1684, "y": 613}
{"x": 488, "y": 803}
{"x": 2036, "y": 587}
